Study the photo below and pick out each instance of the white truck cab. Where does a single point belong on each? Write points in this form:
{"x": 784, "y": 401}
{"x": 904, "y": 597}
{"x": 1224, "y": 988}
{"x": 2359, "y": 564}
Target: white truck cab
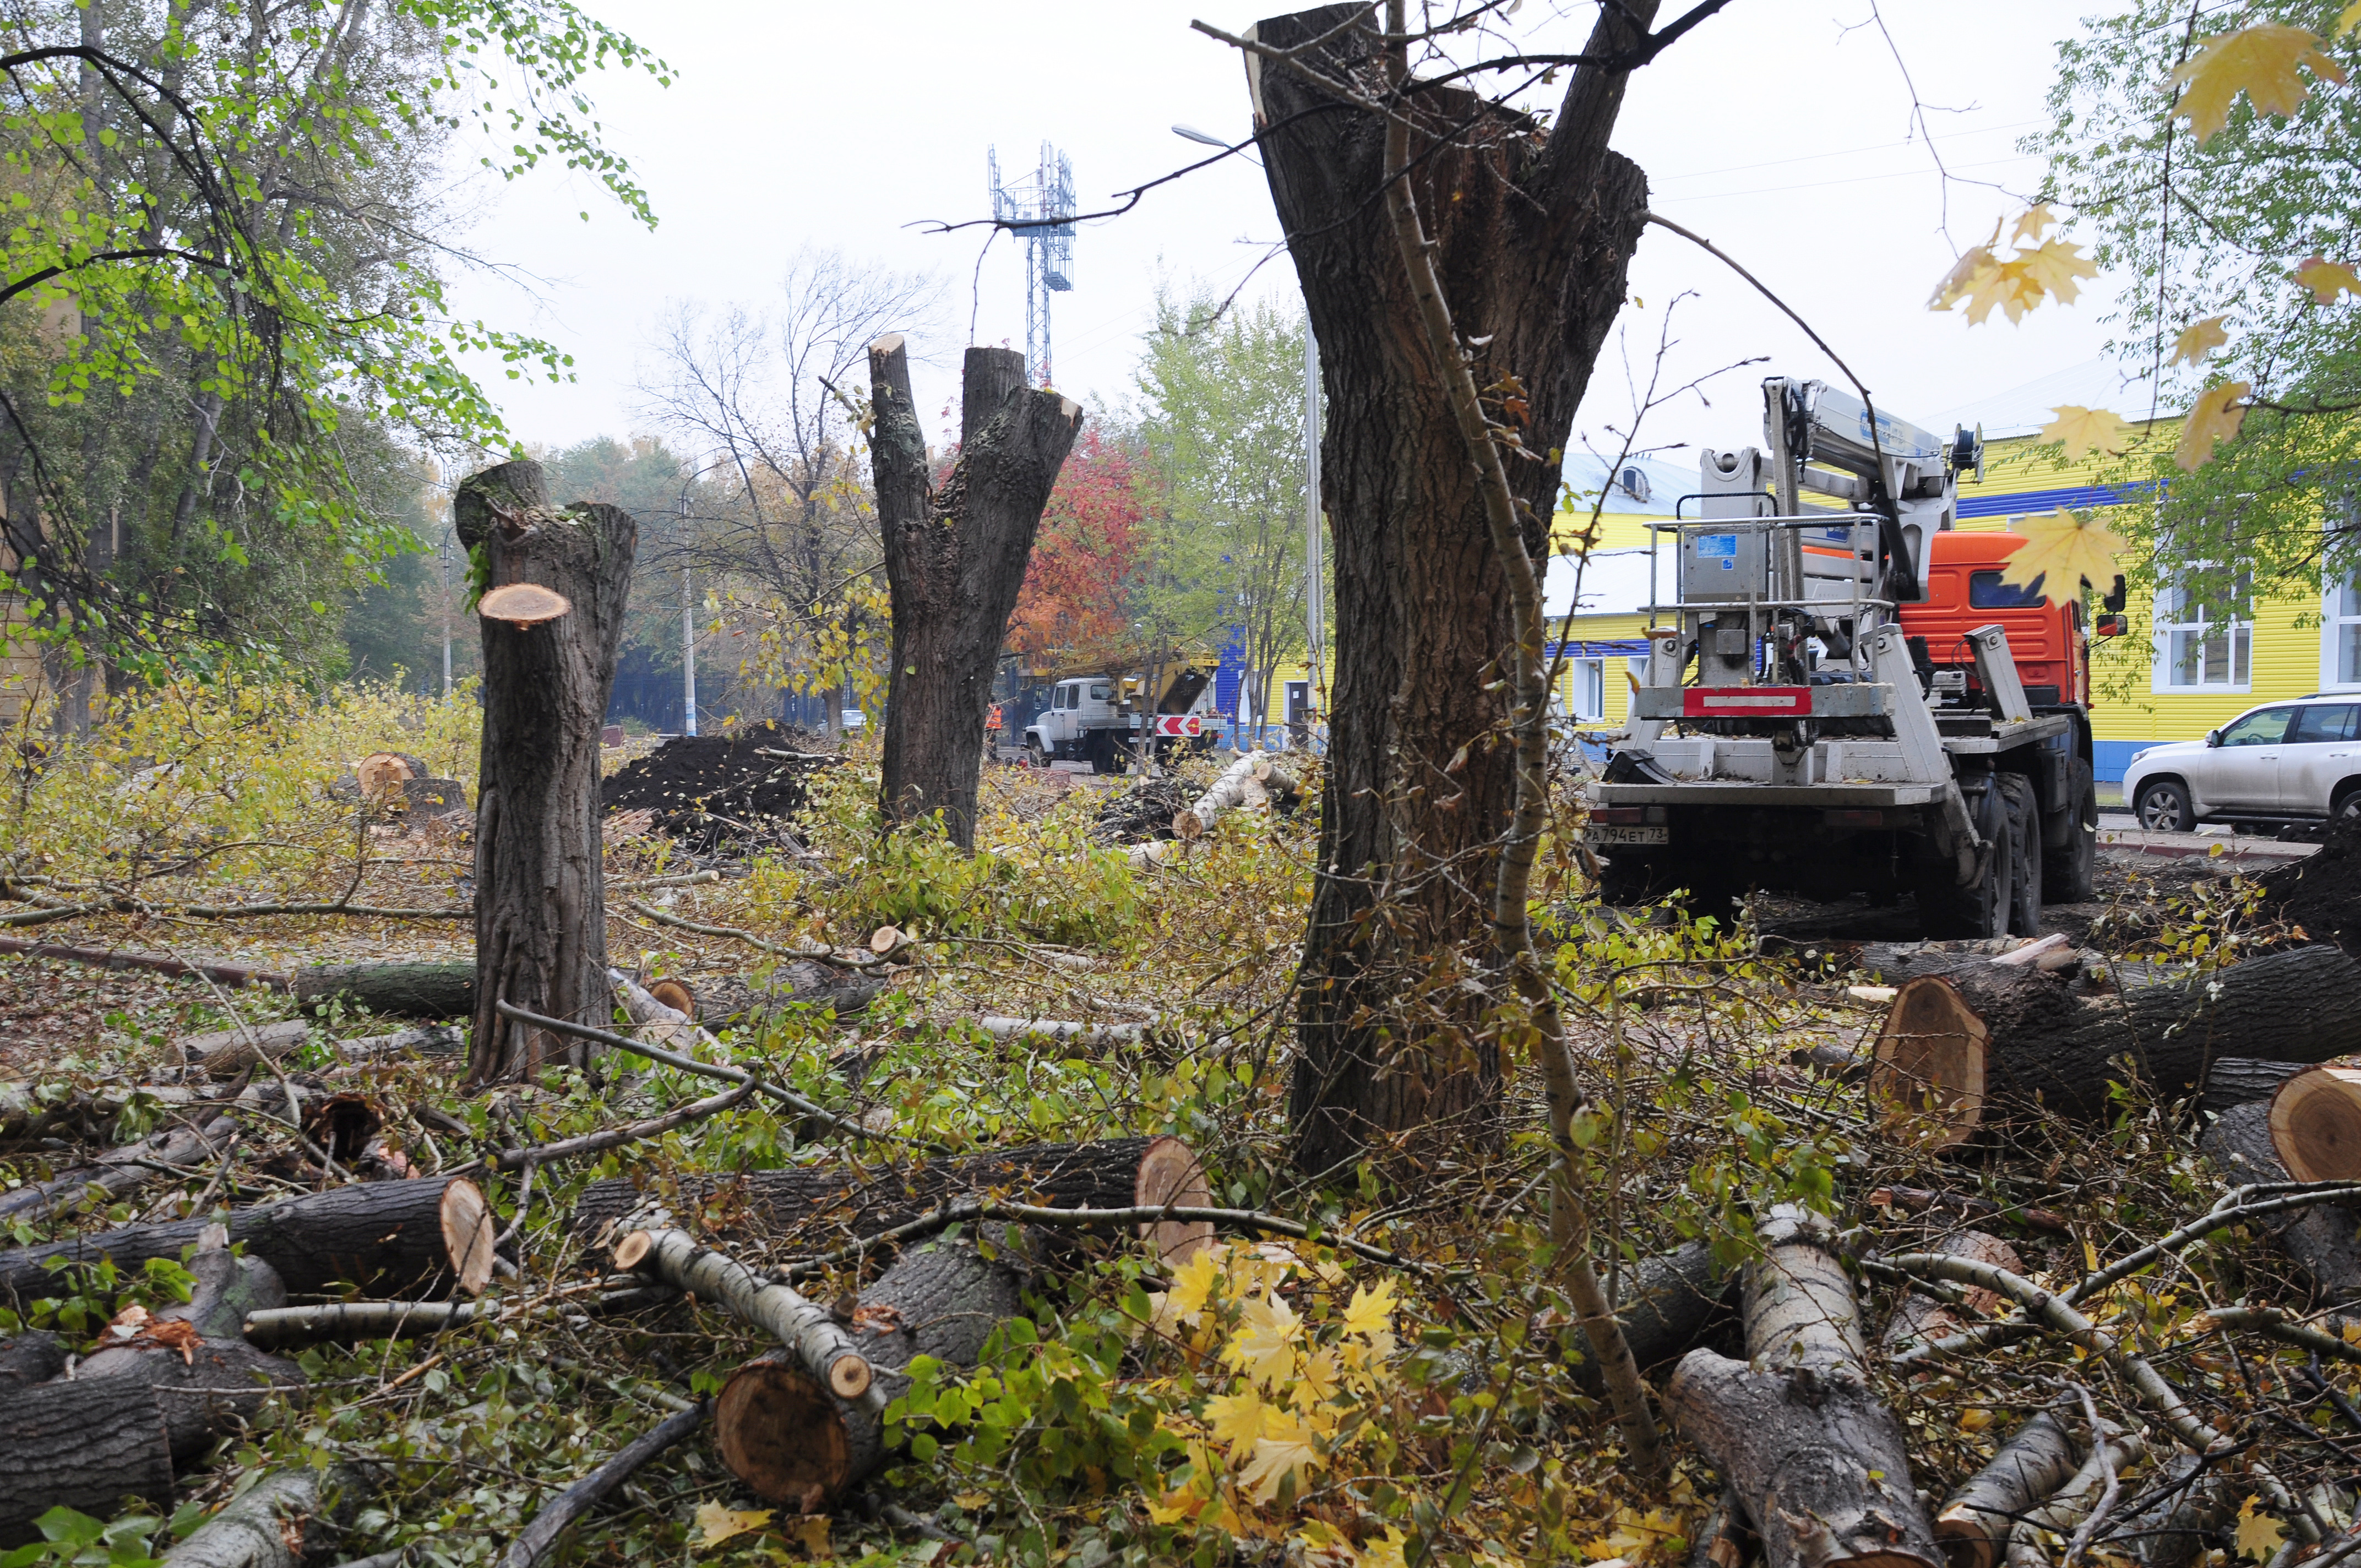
{"x": 1082, "y": 722}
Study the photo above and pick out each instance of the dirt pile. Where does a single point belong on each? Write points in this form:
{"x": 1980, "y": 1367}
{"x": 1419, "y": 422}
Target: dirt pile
{"x": 736, "y": 789}
{"x": 2321, "y": 894}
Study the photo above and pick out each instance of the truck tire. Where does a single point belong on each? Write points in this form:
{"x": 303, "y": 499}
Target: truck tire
{"x": 1980, "y": 910}
{"x": 1035, "y": 752}
{"x": 2071, "y": 874}
{"x": 2025, "y": 834}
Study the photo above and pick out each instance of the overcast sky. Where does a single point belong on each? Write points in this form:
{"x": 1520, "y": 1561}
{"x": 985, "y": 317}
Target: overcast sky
{"x": 1770, "y": 129}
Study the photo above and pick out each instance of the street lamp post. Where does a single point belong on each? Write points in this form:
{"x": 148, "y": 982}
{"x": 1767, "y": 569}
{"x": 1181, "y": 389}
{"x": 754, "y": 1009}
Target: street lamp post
{"x": 688, "y": 628}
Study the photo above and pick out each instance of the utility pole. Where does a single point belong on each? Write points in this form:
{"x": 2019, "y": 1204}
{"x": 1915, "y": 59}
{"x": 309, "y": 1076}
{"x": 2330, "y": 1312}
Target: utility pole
{"x": 687, "y": 629}
{"x": 1314, "y": 616}
{"x": 442, "y": 560}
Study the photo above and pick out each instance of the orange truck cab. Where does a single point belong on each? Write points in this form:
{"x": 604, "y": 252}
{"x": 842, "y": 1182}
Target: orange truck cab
{"x": 2049, "y": 639}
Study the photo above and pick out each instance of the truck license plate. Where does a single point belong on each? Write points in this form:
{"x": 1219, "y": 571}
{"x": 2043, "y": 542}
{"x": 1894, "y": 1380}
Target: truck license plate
{"x": 1646, "y": 833}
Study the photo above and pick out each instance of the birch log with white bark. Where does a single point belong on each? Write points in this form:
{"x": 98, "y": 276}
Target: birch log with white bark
{"x": 1225, "y": 793}
{"x": 820, "y": 1344}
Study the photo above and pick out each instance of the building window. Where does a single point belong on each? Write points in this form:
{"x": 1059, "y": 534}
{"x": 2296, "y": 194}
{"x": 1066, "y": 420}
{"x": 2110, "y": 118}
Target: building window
{"x": 1585, "y": 696}
{"x": 2203, "y": 645}
{"x": 2340, "y": 634}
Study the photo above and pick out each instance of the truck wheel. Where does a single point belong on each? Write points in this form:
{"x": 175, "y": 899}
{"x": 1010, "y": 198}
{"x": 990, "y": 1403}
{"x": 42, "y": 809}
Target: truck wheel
{"x": 1035, "y": 753}
{"x": 1981, "y": 909}
{"x": 2025, "y": 835}
{"x": 2070, "y": 875}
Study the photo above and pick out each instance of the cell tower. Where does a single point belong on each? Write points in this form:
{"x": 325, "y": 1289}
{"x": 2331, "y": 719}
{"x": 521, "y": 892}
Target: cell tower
{"x": 1040, "y": 211}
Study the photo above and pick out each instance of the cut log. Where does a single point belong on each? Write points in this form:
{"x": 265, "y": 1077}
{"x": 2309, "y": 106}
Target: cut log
{"x": 1918, "y": 1317}
{"x": 1279, "y": 783}
{"x": 794, "y": 1442}
{"x": 2315, "y": 1121}
{"x": 1225, "y": 793}
{"x": 1821, "y": 1465}
{"x": 1973, "y": 1523}
{"x": 2064, "y": 1510}
{"x": 832, "y": 1203}
{"x": 2175, "y": 1530}
{"x": 720, "y": 1001}
{"x": 1725, "y": 1540}
{"x": 34, "y": 1356}
{"x": 225, "y": 1053}
{"x": 388, "y": 1236}
{"x": 431, "y": 991}
{"x": 383, "y": 773}
{"x": 1665, "y": 1305}
{"x": 955, "y": 559}
{"x": 218, "y": 1383}
{"x": 276, "y": 1522}
{"x": 541, "y": 927}
{"x": 523, "y": 604}
{"x": 85, "y": 1445}
{"x": 1959, "y": 1044}
{"x": 810, "y": 1330}
{"x": 2321, "y": 1241}
{"x": 175, "y": 1150}
{"x": 2243, "y": 1080}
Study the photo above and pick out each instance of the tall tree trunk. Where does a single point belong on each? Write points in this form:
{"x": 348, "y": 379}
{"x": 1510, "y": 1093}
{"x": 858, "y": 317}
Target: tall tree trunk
{"x": 1530, "y": 235}
{"x": 954, "y": 560}
{"x": 541, "y": 927}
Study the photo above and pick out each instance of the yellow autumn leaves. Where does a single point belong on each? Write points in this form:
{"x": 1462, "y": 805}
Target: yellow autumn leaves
{"x": 2035, "y": 269}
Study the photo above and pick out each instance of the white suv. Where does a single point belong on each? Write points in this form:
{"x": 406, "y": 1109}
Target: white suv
{"x": 2290, "y": 759}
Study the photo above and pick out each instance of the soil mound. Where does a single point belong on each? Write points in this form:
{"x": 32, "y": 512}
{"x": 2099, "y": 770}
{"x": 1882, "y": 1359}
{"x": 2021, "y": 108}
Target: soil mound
{"x": 2322, "y": 893}
{"x": 712, "y": 790}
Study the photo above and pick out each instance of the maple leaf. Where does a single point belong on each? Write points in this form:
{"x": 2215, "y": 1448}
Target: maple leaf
{"x": 1264, "y": 1349}
{"x": 812, "y": 1531}
{"x": 2199, "y": 339}
{"x": 2065, "y": 549}
{"x": 2214, "y": 418}
{"x": 1236, "y": 1420}
{"x": 1192, "y": 1286}
{"x": 1370, "y": 1312}
{"x": 1318, "y": 1380}
{"x": 716, "y": 1524}
{"x": 2053, "y": 267}
{"x": 2085, "y": 431}
{"x": 2006, "y": 284}
{"x": 1386, "y": 1550}
{"x": 2036, "y": 220}
{"x": 2260, "y": 61}
{"x": 2327, "y": 278}
{"x": 1286, "y": 1448}
{"x": 1960, "y": 279}
{"x": 2260, "y": 1535}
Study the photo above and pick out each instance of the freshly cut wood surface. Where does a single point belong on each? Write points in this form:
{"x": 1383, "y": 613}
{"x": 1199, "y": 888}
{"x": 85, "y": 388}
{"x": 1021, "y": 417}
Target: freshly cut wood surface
{"x": 2321, "y": 1242}
{"x": 524, "y": 604}
{"x": 2315, "y": 1121}
{"x": 1929, "y": 1059}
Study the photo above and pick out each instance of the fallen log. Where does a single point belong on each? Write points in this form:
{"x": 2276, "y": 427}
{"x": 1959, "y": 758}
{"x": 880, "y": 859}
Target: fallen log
{"x": 432, "y": 991}
{"x": 1973, "y": 1523}
{"x": 794, "y": 1441}
{"x": 274, "y": 1523}
{"x": 156, "y": 963}
{"x": 2242, "y": 1080}
{"x": 1956, "y": 1045}
{"x": 538, "y": 1537}
{"x": 355, "y": 1323}
{"x": 225, "y": 1053}
{"x": 1918, "y": 1317}
{"x": 1283, "y": 788}
{"x": 393, "y": 1236}
{"x": 2320, "y": 1240}
{"x": 809, "y": 1330}
{"x": 205, "y": 1379}
{"x": 724, "y": 1001}
{"x": 170, "y": 1153}
{"x": 1665, "y": 1305}
{"x": 2074, "y": 1503}
{"x": 1115, "y": 1173}
{"x": 34, "y": 1356}
{"x": 1821, "y": 1465}
{"x": 2315, "y": 1122}
{"x": 1225, "y": 793}
{"x": 81, "y": 1446}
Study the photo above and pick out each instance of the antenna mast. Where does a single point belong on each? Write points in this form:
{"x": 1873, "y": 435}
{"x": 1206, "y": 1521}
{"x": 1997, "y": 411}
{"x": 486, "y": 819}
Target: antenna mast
{"x": 1039, "y": 210}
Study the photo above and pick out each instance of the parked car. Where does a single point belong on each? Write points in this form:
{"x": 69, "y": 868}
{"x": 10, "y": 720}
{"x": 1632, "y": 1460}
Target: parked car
{"x": 2278, "y": 762}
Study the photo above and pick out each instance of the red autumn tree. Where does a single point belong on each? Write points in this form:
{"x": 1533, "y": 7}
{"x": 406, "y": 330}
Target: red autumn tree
{"x": 1087, "y": 558}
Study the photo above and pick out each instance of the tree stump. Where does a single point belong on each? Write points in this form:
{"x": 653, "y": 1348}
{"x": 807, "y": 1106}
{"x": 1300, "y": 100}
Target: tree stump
{"x": 955, "y": 557}
{"x": 2315, "y": 1122}
{"x": 541, "y": 932}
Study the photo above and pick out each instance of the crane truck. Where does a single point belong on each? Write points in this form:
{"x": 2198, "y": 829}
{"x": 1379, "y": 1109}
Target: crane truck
{"x": 1108, "y": 720}
{"x": 1848, "y": 697}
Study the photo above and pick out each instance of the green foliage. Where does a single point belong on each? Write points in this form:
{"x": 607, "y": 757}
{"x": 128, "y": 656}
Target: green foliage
{"x": 73, "y": 1539}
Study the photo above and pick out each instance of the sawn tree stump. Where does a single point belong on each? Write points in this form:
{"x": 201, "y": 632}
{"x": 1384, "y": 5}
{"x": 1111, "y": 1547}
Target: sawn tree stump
{"x": 541, "y": 930}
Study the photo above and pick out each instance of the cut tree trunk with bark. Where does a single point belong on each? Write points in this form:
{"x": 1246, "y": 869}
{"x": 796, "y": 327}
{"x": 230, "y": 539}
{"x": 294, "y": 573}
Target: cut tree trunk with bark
{"x": 794, "y": 1441}
{"x": 1964, "y": 1045}
{"x": 809, "y": 1330}
{"x": 2243, "y": 1080}
{"x": 2176, "y": 1529}
{"x": 1822, "y": 1465}
{"x": 722, "y": 1001}
{"x": 1918, "y": 1317}
{"x": 280, "y": 1522}
{"x": 955, "y": 557}
{"x": 81, "y": 1446}
{"x": 1973, "y": 1523}
{"x": 225, "y": 1053}
{"x": 393, "y": 1236}
{"x": 120, "y": 1171}
{"x": 2321, "y": 1241}
{"x": 34, "y": 1356}
{"x": 1225, "y": 793}
{"x": 427, "y": 991}
{"x": 1665, "y": 1305}
{"x": 826, "y": 1204}
{"x": 220, "y": 1382}
{"x": 1532, "y": 231}
{"x": 541, "y": 926}
{"x": 2315, "y": 1122}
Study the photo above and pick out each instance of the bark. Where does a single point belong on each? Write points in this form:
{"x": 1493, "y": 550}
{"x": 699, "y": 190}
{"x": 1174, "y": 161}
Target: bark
{"x": 1963, "y": 1045}
{"x": 580, "y": 1498}
{"x": 355, "y": 1323}
{"x": 120, "y": 1171}
{"x": 1919, "y": 1318}
{"x": 2174, "y": 1530}
{"x": 541, "y": 928}
{"x": 382, "y": 1236}
{"x": 224, "y": 1053}
{"x": 794, "y": 1442}
{"x": 1975, "y": 1522}
{"x": 818, "y": 1342}
{"x": 1225, "y": 793}
{"x": 2243, "y": 1080}
{"x": 108, "y": 957}
{"x": 823, "y": 1205}
{"x": 81, "y": 1446}
{"x": 1666, "y": 1306}
{"x": 1822, "y": 1465}
{"x": 2315, "y": 1121}
{"x": 955, "y": 557}
{"x": 2064, "y": 1510}
{"x": 395, "y": 989}
{"x": 2321, "y": 1241}
{"x": 1530, "y": 236}
{"x": 218, "y": 1383}
{"x": 723, "y": 1000}
{"x": 275, "y": 1522}
{"x": 34, "y": 1356}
